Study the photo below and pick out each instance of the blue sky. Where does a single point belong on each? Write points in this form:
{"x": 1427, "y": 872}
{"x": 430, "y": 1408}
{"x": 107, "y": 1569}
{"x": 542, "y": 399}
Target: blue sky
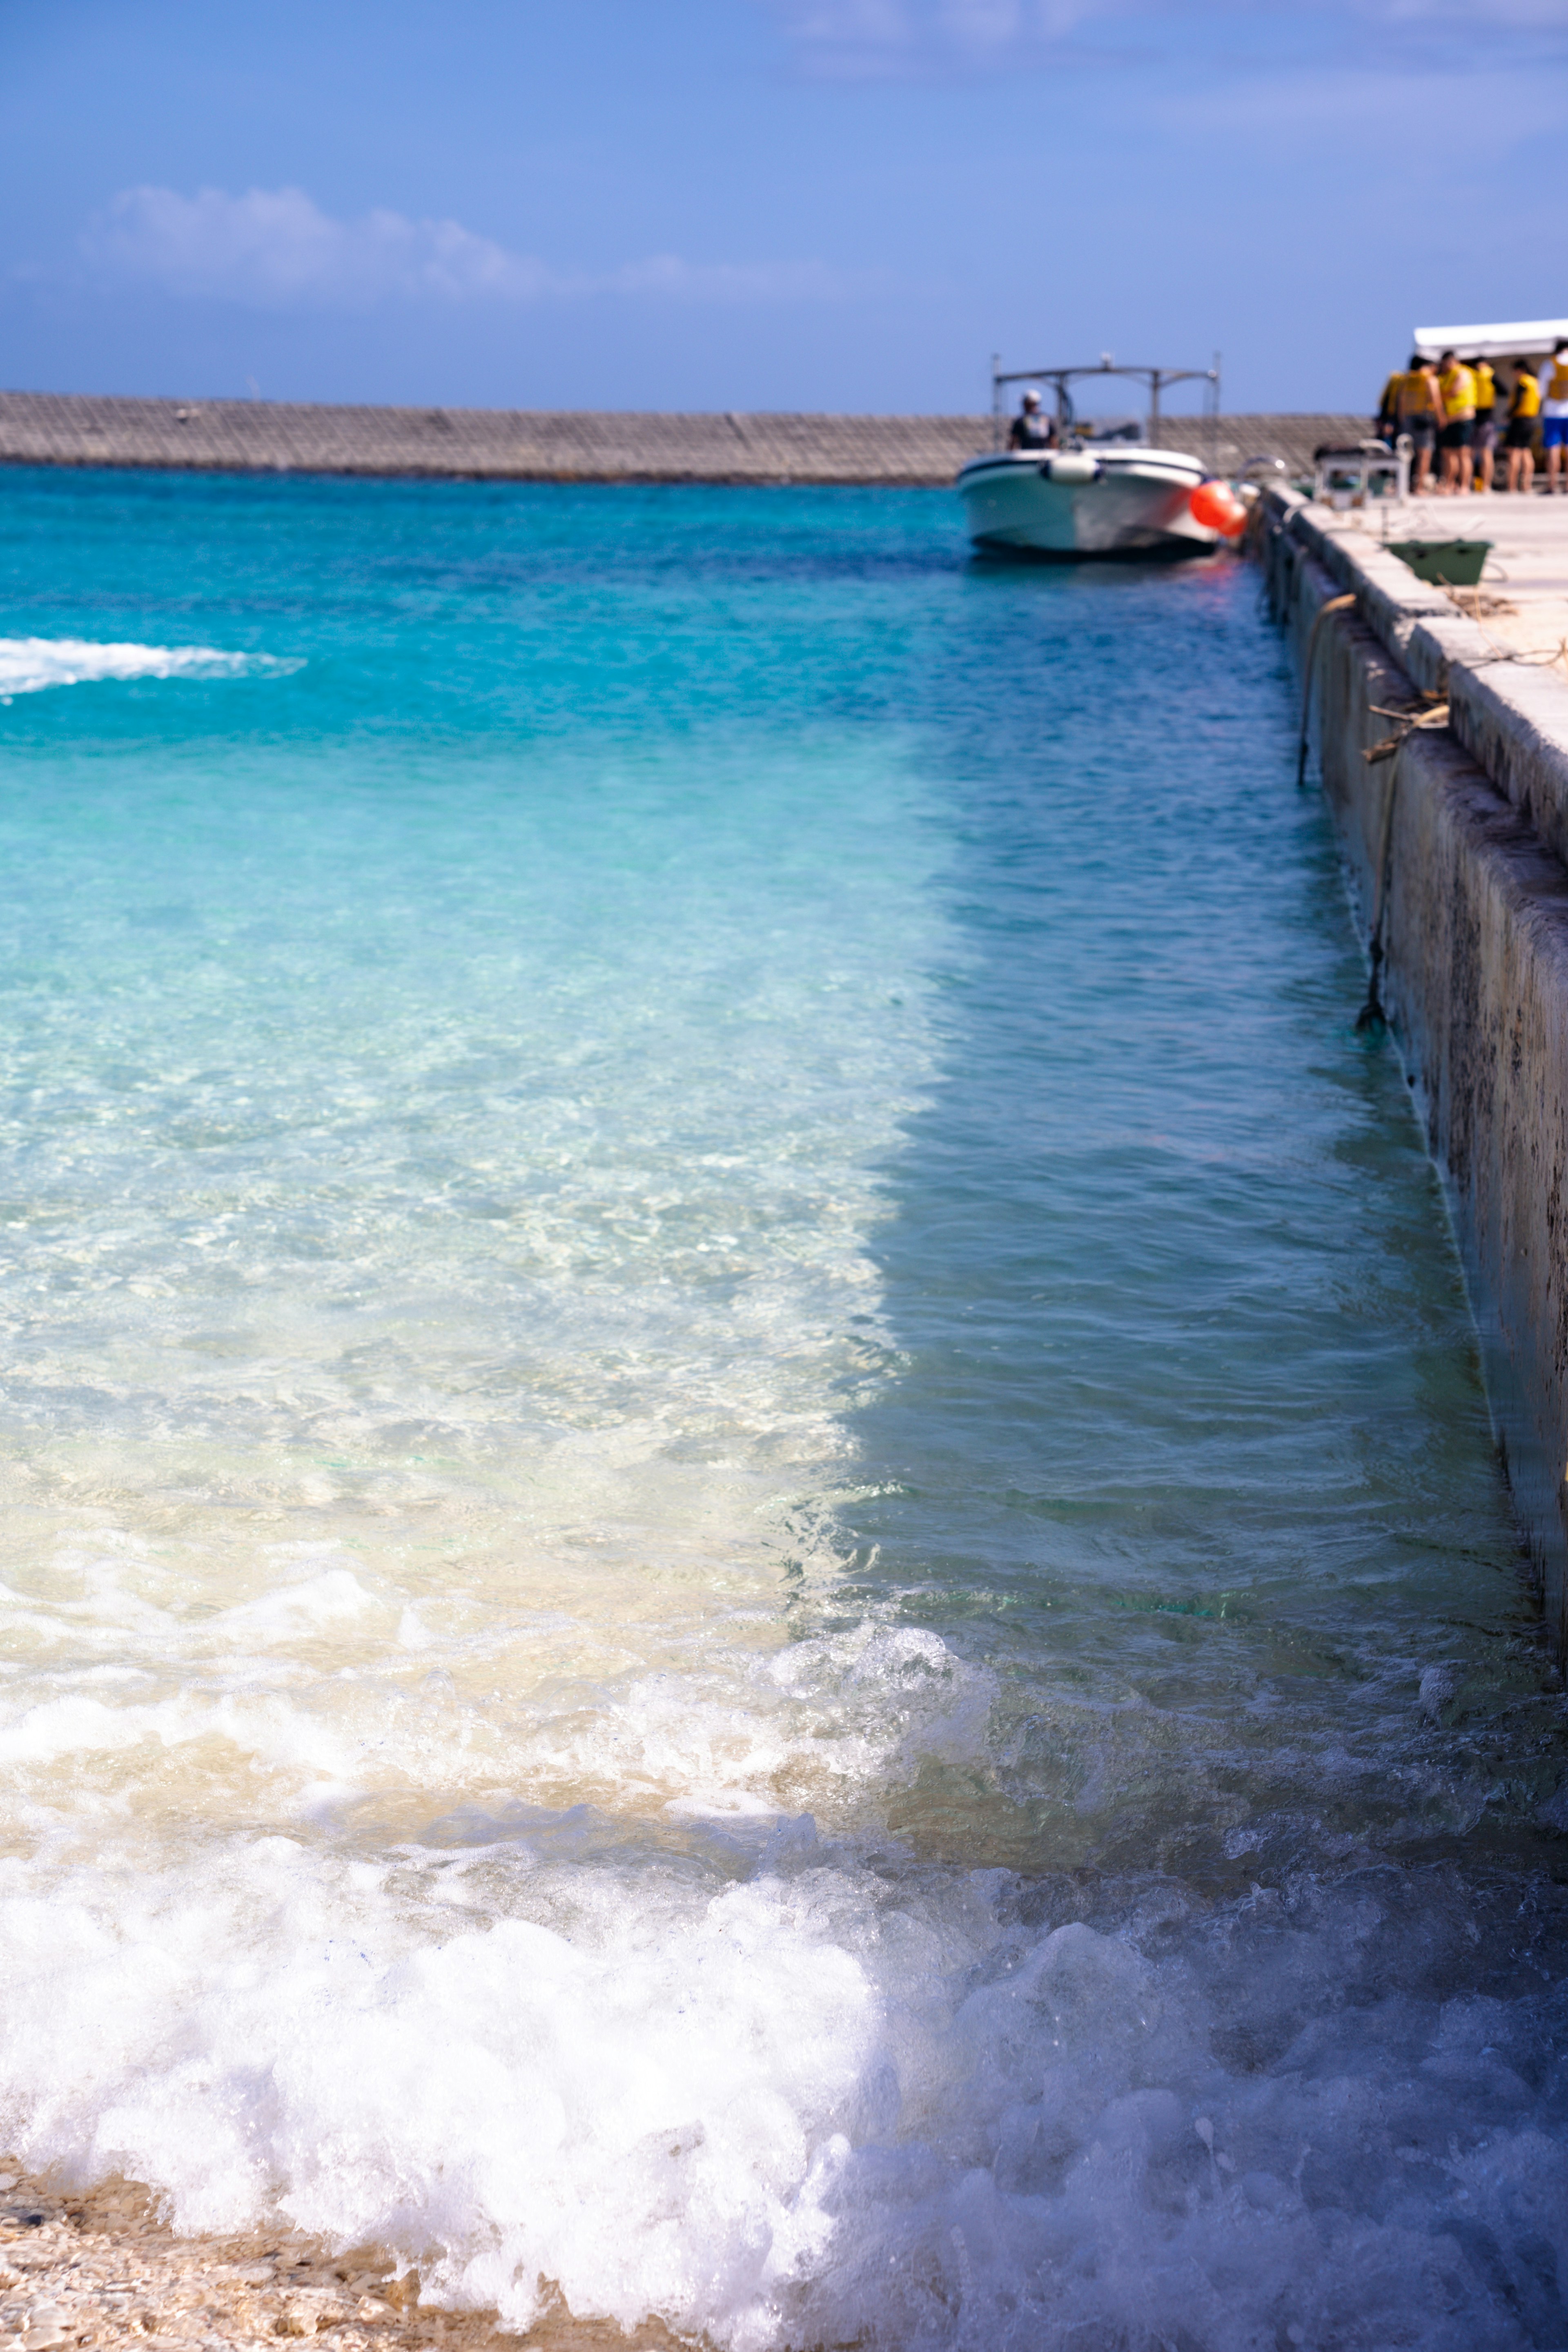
{"x": 765, "y": 203}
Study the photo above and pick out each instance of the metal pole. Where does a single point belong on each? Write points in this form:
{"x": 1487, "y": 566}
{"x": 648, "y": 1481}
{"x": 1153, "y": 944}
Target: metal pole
{"x": 996, "y": 400}
{"x": 1154, "y": 408}
{"x": 1214, "y": 412}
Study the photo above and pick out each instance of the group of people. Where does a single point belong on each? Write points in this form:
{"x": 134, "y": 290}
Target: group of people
{"x": 1449, "y": 407}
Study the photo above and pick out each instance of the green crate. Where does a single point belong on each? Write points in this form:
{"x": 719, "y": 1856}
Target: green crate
{"x": 1444, "y": 562}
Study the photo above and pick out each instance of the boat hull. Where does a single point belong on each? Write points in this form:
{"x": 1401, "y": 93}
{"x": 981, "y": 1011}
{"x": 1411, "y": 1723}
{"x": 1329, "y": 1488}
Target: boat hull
{"x": 1083, "y": 504}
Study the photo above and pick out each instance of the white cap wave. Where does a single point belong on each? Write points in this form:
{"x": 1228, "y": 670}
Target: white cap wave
{"x": 29, "y": 664}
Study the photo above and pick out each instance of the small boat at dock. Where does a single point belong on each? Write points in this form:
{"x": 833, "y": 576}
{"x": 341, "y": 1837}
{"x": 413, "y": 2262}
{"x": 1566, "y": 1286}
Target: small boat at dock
{"x": 1090, "y": 495}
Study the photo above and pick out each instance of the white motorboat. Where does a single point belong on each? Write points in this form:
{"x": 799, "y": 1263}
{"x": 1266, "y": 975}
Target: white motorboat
{"x": 1122, "y": 501}
{"x": 1097, "y": 497}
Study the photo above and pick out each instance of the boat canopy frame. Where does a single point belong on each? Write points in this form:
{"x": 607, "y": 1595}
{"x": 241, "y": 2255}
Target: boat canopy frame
{"x": 1156, "y": 379}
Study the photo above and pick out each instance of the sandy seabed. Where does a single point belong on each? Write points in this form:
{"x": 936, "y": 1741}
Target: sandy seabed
{"x": 102, "y": 2269}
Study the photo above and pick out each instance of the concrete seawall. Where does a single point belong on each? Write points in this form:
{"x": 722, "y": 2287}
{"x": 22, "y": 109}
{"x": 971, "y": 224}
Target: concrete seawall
{"x": 1468, "y": 821}
{"x": 555, "y": 445}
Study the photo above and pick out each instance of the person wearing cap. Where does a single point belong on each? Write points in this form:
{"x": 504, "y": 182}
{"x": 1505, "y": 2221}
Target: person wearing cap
{"x": 1553, "y": 382}
{"x": 1030, "y": 430}
{"x": 1520, "y": 440}
{"x": 1456, "y": 430}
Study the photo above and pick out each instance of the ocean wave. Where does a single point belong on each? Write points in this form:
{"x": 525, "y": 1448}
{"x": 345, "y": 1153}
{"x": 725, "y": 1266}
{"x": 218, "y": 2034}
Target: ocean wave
{"x": 27, "y": 664}
{"x": 825, "y": 2101}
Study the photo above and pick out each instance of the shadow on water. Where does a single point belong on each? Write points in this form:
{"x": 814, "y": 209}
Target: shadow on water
{"x": 1171, "y": 1426}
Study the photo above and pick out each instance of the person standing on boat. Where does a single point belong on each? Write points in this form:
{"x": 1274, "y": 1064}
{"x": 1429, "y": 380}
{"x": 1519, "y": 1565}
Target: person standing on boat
{"x": 1030, "y": 430}
{"x": 1522, "y": 411}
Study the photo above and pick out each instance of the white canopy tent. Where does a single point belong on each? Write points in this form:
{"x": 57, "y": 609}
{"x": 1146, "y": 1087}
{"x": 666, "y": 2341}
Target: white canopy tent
{"x": 1527, "y": 338}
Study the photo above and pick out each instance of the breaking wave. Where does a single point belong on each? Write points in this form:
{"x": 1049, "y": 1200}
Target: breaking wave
{"x": 27, "y": 664}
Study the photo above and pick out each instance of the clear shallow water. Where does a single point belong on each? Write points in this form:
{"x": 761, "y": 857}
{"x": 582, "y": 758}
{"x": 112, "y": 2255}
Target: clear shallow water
{"x": 751, "y": 1565}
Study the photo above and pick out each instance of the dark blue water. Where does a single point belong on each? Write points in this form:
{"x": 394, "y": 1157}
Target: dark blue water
{"x": 754, "y": 1565}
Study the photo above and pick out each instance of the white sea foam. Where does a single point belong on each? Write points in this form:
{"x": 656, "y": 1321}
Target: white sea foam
{"x": 615, "y": 2021}
{"x": 818, "y": 2103}
{"x": 29, "y": 664}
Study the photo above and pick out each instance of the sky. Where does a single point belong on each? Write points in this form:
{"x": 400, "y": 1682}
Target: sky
{"x": 765, "y": 203}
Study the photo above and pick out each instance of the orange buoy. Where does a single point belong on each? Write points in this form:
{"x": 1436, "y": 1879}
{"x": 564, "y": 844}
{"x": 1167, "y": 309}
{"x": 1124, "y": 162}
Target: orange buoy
{"x": 1215, "y": 504}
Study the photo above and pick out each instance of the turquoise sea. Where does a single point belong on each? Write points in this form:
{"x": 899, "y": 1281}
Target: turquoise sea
{"x": 751, "y": 1566}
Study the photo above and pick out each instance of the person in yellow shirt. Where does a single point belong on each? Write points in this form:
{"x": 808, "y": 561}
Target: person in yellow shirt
{"x": 1486, "y": 424}
{"x": 1552, "y": 383}
{"x": 1457, "y": 424}
{"x": 1418, "y": 415}
{"x": 1386, "y": 423}
{"x": 1523, "y": 410}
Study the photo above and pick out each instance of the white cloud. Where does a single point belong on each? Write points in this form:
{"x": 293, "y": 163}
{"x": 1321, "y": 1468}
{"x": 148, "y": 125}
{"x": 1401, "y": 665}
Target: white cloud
{"x": 722, "y": 281}
{"x": 1525, "y": 14}
{"x": 274, "y": 248}
{"x": 881, "y": 39}
{"x": 1414, "y": 122}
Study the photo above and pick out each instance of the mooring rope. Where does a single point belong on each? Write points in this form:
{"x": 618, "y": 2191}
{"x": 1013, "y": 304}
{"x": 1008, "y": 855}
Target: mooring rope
{"x": 1334, "y": 604}
{"x": 1372, "y": 1014}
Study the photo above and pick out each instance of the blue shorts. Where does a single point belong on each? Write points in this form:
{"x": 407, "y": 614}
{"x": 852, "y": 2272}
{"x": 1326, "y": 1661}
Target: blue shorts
{"x": 1554, "y": 432}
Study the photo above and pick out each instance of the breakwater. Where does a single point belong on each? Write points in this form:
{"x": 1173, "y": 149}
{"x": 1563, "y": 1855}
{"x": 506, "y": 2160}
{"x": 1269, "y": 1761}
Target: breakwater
{"x": 555, "y": 445}
{"x": 1441, "y": 725}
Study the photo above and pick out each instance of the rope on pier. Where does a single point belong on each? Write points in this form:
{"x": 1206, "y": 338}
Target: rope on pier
{"x": 1334, "y": 604}
{"x": 1372, "y": 1014}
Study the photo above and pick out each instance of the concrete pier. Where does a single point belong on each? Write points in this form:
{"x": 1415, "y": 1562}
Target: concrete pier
{"x": 1440, "y": 721}
{"x": 558, "y": 446}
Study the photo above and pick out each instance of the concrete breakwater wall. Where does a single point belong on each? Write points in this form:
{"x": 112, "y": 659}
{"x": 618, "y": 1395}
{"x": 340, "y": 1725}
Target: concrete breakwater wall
{"x": 556, "y": 445}
{"x": 1467, "y": 824}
